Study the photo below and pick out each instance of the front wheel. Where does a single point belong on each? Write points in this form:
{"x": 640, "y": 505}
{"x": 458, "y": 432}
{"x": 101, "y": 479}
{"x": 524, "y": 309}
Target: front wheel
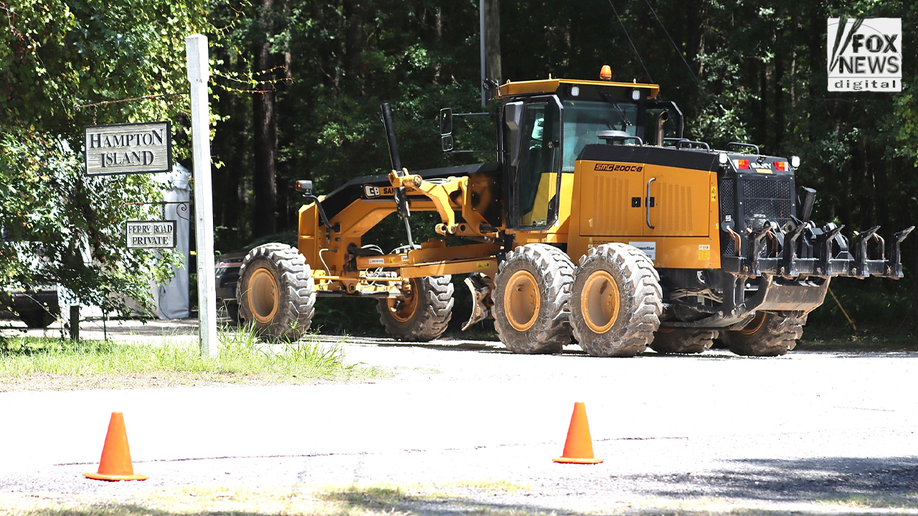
{"x": 421, "y": 313}
{"x": 531, "y": 294}
{"x": 615, "y": 301}
{"x": 767, "y": 335}
{"x": 276, "y": 292}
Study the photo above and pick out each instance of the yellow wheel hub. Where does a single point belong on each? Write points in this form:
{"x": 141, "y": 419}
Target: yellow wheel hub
{"x": 403, "y": 307}
{"x": 522, "y": 301}
{"x": 263, "y": 296}
{"x": 755, "y": 325}
{"x": 600, "y": 302}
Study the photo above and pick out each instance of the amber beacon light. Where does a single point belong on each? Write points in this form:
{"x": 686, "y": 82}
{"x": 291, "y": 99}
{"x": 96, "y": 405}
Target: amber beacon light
{"x": 606, "y": 73}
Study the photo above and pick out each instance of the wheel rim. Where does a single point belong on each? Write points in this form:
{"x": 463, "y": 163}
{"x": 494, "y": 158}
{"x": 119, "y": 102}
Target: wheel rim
{"x": 753, "y": 327}
{"x": 263, "y": 296}
{"x": 403, "y": 307}
{"x": 600, "y": 302}
{"x": 521, "y": 300}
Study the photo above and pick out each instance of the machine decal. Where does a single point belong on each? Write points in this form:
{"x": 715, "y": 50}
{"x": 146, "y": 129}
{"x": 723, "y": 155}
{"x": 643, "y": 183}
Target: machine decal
{"x": 372, "y": 192}
{"x": 704, "y": 252}
{"x": 649, "y": 248}
{"x": 617, "y": 167}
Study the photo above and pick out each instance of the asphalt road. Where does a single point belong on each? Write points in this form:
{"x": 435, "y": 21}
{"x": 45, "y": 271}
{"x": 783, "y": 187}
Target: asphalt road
{"x": 782, "y": 434}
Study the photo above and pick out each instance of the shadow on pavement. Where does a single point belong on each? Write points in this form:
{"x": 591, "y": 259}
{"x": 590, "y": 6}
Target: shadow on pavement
{"x": 883, "y": 482}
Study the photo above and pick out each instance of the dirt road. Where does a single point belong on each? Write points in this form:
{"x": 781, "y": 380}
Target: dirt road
{"x": 803, "y": 433}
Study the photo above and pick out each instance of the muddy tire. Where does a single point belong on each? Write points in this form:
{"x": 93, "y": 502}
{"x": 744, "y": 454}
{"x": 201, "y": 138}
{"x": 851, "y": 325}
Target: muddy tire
{"x": 767, "y": 335}
{"x": 678, "y": 340}
{"x": 531, "y": 294}
{"x": 421, "y": 313}
{"x": 615, "y": 301}
{"x": 276, "y": 292}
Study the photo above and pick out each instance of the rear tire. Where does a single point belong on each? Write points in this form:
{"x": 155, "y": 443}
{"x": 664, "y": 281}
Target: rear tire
{"x": 615, "y": 301}
{"x": 531, "y": 294}
{"x": 767, "y": 335}
{"x": 421, "y": 313}
{"x": 276, "y": 292}
{"x": 678, "y": 340}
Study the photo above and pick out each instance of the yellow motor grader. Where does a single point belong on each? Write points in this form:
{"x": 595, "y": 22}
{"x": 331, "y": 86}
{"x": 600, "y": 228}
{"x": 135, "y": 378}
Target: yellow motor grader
{"x": 598, "y": 220}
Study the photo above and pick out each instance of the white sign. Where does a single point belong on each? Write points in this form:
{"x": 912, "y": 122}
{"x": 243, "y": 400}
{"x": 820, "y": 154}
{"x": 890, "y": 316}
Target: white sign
{"x": 864, "y": 54}
{"x": 649, "y": 248}
{"x": 150, "y": 234}
{"x": 128, "y": 148}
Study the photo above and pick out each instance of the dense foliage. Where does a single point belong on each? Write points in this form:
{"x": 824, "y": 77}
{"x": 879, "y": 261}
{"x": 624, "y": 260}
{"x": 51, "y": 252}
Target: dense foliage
{"x": 740, "y": 71}
{"x": 62, "y": 63}
{"x": 297, "y": 85}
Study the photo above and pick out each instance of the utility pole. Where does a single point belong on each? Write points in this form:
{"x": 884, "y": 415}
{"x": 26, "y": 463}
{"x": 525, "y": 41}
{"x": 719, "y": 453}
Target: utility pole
{"x": 198, "y": 76}
{"x": 481, "y": 43}
{"x": 489, "y": 29}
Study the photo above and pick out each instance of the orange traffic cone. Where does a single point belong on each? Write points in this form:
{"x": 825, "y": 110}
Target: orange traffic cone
{"x": 116, "y": 455}
{"x": 578, "y": 449}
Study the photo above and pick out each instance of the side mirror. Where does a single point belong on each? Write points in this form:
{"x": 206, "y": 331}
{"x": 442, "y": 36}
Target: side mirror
{"x": 446, "y": 129}
{"x": 446, "y": 121}
{"x": 446, "y": 142}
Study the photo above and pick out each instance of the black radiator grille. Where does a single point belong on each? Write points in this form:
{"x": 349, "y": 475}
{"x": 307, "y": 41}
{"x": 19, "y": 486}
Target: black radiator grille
{"x": 769, "y": 198}
{"x": 727, "y": 197}
{"x": 748, "y": 200}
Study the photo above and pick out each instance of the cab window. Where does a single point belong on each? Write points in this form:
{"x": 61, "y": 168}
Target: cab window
{"x": 584, "y": 120}
{"x": 539, "y": 164}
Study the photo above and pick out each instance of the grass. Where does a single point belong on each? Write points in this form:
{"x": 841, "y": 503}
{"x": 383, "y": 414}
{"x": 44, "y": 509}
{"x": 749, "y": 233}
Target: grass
{"x": 46, "y": 363}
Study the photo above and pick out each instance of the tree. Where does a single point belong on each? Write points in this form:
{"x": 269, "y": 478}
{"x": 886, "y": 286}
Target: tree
{"x": 63, "y": 65}
{"x": 264, "y": 121}
{"x": 740, "y": 71}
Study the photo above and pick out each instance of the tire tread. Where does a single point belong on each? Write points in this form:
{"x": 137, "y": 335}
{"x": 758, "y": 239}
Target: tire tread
{"x": 294, "y": 279}
{"x": 554, "y": 272}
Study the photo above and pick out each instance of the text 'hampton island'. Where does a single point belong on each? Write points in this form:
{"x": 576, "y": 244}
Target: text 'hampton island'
{"x": 128, "y": 148}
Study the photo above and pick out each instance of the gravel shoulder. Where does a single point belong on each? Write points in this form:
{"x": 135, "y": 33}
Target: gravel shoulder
{"x": 809, "y": 433}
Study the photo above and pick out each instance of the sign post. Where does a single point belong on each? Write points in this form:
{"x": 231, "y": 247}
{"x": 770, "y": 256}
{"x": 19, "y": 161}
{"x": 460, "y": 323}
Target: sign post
{"x": 198, "y": 76}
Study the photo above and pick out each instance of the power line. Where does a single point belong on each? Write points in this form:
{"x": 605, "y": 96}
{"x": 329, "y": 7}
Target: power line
{"x": 631, "y": 42}
{"x": 120, "y": 101}
{"x": 673, "y": 42}
{"x": 698, "y": 82}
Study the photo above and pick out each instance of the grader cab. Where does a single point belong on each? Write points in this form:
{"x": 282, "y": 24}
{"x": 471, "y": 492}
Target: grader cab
{"x": 598, "y": 221}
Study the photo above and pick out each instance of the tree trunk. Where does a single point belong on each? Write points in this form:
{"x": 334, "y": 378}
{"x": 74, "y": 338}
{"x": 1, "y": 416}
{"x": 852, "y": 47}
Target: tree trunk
{"x": 355, "y": 42}
{"x": 492, "y": 40}
{"x": 264, "y": 125}
{"x": 778, "y": 132}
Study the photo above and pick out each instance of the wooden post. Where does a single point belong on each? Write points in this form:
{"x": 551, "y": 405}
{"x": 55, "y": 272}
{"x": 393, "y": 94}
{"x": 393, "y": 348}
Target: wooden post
{"x": 75, "y": 323}
{"x": 198, "y": 76}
